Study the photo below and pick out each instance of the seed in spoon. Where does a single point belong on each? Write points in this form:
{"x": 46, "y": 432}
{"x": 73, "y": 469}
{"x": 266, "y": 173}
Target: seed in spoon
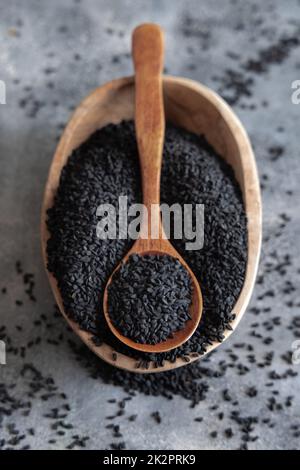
{"x": 149, "y": 298}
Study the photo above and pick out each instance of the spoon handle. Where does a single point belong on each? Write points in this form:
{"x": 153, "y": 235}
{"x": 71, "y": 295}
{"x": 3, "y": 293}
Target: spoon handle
{"x": 148, "y": 53}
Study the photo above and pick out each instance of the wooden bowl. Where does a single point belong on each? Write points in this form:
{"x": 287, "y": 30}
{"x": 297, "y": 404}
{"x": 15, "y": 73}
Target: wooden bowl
{"x": 196, "y": 108}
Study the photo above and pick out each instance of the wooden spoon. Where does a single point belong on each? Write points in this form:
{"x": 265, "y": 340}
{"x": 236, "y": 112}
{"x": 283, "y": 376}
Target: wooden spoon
{"x": 147, "y": 51}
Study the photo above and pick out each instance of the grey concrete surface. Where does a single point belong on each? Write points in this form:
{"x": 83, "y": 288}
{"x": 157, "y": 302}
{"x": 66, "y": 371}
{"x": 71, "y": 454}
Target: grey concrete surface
{"x": 51, "y": 55}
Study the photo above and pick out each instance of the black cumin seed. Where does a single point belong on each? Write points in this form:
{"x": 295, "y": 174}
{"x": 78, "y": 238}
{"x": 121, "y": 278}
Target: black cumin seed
{"x": 156, "y": 416}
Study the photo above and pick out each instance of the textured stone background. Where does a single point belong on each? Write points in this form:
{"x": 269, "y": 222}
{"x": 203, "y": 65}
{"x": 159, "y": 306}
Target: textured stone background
{"x": 51, "y": 55}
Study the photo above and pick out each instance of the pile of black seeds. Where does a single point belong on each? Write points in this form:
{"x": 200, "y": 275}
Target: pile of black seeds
{"x": 149, "y": 298}
{"x": 105, "y": 167}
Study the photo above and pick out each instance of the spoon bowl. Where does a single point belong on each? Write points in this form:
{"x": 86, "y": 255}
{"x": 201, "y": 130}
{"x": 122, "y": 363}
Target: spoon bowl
{"x": 198, "y": 109}
{"x": 179, "y": 337}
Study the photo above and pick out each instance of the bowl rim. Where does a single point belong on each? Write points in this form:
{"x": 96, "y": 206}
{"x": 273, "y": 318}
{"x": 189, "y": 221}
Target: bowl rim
{"x": 252, "y": 201}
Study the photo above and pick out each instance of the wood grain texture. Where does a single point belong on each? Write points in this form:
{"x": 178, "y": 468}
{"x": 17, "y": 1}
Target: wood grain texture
{"x": 197, "y": 109}
{"x": 148, "y": 58}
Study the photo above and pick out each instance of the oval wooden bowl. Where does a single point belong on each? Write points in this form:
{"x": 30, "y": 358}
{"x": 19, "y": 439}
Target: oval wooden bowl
{"x": 196, "y": 108}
